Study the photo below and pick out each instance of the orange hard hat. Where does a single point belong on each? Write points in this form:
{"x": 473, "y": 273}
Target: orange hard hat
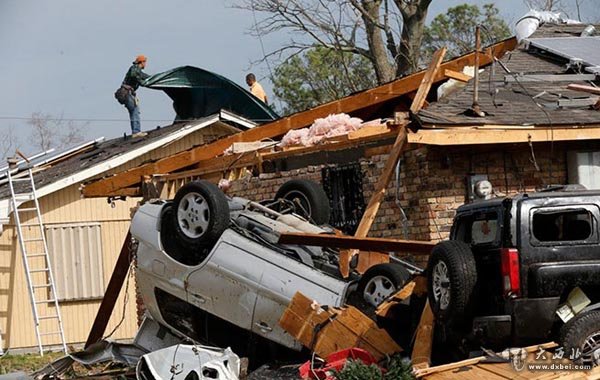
{"x": 140, "y": 58}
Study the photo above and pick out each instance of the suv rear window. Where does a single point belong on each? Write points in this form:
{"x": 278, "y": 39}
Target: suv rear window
{"x": 478, "y": 228}
{"x": 563, "y": 225}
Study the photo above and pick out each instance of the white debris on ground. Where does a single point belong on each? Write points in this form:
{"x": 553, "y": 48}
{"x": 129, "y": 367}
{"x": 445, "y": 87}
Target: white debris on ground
{"x": 185, "y": 361}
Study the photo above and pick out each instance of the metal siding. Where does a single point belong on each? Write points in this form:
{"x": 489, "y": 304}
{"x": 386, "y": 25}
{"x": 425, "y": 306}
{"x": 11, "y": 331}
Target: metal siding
{"x": 74, "y": 251}
{"x": 66, "y": 206}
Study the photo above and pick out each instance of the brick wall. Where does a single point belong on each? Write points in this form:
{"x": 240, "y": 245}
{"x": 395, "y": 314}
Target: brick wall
{"x": 432, "y": 184}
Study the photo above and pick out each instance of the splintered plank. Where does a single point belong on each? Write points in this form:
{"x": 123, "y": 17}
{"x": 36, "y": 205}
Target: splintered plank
{"x": 399, "y": 296}
{"x": 428, "y": 80}
{"x": 421, "y": 354}
{"x": 457, "y": 75}
{"x": 367, "y": 259}
{"x": 328, "y": 331}
{"x": 584, "y": 88}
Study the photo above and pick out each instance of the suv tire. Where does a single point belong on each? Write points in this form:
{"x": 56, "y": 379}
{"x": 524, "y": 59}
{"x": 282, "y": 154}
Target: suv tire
{"x": 310, "y": 195}
{"x": 200, "y": 214}
{"x": 582, "y": 333}
{"x": 451, "y": 279}
{"x": 381, "y": 281}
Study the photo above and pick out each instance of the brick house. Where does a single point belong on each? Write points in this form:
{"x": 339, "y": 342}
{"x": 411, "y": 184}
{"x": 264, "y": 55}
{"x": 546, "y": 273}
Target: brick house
{"x": 525, "y": 143}
{"x": 535, "y": 133}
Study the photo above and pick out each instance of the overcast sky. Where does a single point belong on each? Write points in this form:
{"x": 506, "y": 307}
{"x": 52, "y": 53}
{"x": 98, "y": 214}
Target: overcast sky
{"x": 67, "y": 57}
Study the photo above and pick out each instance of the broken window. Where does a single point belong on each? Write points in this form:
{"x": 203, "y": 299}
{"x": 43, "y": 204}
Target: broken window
{"x": 562, "y": 225}
{"x": 76, "y": 254}
{"x": 479, "y": 228}
{"x": 343, "y": 185}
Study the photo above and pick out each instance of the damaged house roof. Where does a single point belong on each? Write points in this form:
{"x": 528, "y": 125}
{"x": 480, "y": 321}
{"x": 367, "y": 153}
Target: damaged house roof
{"x": 57, "y": 171}
{"x": 524, "y": 95}
{"x": 528, "y": 86}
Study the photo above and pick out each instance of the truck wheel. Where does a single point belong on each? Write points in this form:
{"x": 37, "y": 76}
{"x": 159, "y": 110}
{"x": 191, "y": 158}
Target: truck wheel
{"x": 309, "y": 196}
{"x": 582, "y": 335}
{"x": 201, "y": 214}
{"x": 381, "y": 281}
{"x": 451, "y": 279}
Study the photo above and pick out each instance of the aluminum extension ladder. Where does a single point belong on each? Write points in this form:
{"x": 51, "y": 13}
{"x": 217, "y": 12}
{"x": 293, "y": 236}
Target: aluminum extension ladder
{"x": 34, "y": 250}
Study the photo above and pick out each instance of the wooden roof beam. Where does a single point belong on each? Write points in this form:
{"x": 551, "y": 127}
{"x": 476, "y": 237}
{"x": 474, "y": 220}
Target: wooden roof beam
{"x": 497, "y": 135}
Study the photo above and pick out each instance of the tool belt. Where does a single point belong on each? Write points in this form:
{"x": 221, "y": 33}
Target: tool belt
{"x": 122, "y": 93}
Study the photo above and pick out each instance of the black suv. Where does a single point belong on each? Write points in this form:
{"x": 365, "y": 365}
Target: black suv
{"x": 511, "y": 263}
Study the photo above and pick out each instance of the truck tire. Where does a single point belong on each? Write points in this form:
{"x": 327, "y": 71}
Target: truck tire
{"x": 381, "y": 281}
{"x": 310, "y": 196}
{"x": 582, "y": 334}
{"x": 200, "y": 214}
{"x": 451, "y": 280}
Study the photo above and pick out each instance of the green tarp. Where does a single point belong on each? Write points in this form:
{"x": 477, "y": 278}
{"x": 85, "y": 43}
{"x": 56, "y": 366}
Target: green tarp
{"x": 197, "y": 93}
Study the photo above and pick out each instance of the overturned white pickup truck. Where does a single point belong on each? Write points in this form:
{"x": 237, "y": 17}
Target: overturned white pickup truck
{"x": 207, "y": 262}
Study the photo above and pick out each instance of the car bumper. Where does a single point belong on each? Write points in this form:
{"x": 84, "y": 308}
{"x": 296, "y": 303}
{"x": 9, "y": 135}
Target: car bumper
{"x": 530, "y": 320}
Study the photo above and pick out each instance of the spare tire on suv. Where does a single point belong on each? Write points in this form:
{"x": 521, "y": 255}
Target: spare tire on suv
{"x": 200, "y": 214}
{"x": 309, "y": 197}
{"x": 451, "y": 280}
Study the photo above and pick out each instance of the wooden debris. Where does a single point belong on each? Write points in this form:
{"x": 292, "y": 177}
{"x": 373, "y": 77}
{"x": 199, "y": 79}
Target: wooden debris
{"x": 115, "y": 284}
{"x": 365, "y": 243}
{"x": 457, "y": 75}
{"x": 584, "y": 88}
{"x": 467, "y": 368}
{"x": 328, "y": 331}
{"x": 369, "y": 130}
{"x": 378, "y": 195}
{"x": 428, "y": 80}
{"x": 399, "y": 296}
{"x": 421, "y": 354}
{"x": 241, "y": 147}
{"x": 367, "y": 259}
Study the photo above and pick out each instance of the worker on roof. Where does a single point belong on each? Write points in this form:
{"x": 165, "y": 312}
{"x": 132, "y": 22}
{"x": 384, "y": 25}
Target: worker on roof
{"x": 126, "y": 94}
{"x": 256, "y": 89}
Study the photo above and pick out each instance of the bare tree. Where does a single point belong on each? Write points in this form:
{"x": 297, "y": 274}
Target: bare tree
{"x": 54, "y": 132}
{"x": 9, "y": 143}
{"x": 568, "y": 7}
{"x": 386, "y": 32}
{"x": 544, "y": 5}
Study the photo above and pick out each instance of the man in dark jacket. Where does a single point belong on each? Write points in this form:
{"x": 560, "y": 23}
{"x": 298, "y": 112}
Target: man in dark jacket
{"x": 133, "y": 79}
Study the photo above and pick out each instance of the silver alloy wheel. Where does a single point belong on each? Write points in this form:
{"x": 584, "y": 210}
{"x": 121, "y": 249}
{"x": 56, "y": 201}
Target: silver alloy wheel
{"x": 378, "y": 289}
{"x": 193, "y": 215}
{"x": 441, "y": 285}
{"x": 590, "y": 350}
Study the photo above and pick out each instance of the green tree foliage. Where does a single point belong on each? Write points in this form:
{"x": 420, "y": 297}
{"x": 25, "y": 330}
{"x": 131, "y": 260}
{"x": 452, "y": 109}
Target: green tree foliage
{"x": 319, "y": 75}
{"x": 456, "y": 29}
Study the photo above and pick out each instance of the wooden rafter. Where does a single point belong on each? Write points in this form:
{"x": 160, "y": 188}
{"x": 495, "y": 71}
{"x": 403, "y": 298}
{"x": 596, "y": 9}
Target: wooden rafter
{"x": 500, "y": 135}
{"x": 378, "y": 195}
{"x": 348, "y": 104}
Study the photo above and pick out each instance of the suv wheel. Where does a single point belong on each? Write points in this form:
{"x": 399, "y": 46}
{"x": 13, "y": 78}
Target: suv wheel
{"x": 451, "y": 279}
{"x": 201, "y": 214}
{"x": 309, "y": 197}
{"x": 582, "y": 335}
{"x": 381, "y": 281}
